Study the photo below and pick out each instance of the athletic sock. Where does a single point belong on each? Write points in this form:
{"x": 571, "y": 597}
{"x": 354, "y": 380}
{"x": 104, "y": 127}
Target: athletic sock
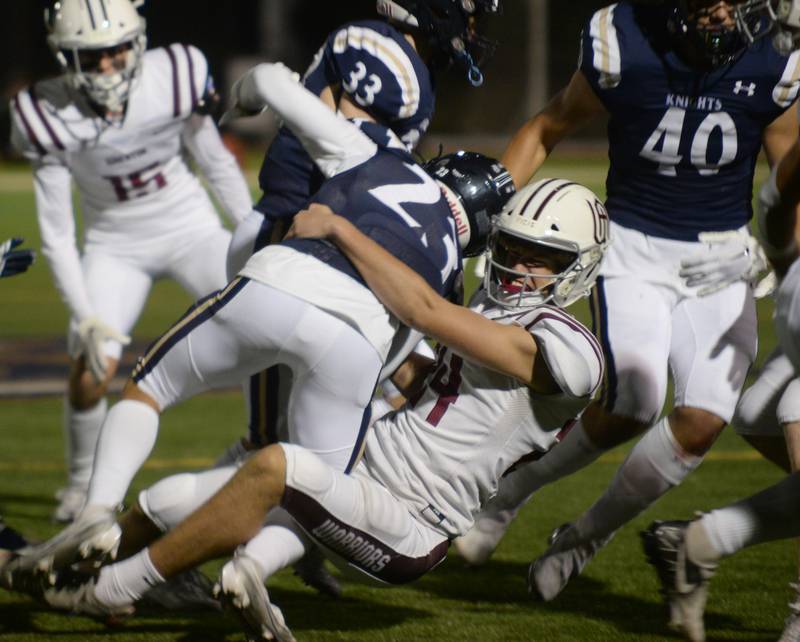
{"x": 125, "y": 582}
{"x": 766, "y": 516}
{"x": 656, "y": 464}
{"x": 128, "y": 436}
{"x": 278, "y": 545}
{"x": 81, "y": 430}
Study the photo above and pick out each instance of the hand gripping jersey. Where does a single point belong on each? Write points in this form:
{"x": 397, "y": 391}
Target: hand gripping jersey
{"x": 132, "y": 178}
{"x": 444, "y": 453}
{"x": 682, "y": 143}
{"x": 376, "y": 66}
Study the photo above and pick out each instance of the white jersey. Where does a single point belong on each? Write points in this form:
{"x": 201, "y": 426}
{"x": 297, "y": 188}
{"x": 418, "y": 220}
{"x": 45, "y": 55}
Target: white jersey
{"x": 444, "y": 454}
{"x": 135, "y": 187}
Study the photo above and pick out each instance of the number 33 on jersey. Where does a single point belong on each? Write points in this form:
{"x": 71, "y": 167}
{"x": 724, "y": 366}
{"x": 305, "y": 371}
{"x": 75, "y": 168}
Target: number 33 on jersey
{"x": 682, "y": 142}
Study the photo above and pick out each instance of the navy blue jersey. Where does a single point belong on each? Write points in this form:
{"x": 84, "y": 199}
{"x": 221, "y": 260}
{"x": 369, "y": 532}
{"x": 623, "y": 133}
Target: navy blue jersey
{"x": 682, "y": 143}
{"x": 375, "y": 65}
{"x": 391, "y": 199}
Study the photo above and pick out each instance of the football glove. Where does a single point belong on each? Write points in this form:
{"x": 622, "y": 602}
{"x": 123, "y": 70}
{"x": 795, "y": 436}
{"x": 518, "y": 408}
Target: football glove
{"x": 93, "y": 334}
{"x": 733, "y": 256}
{"x": 248, "y": 97}
{"x": 13, "y": 261}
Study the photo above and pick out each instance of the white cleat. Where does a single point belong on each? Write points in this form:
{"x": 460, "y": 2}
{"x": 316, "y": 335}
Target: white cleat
{"x": 94, "y": 538}
{"x": 189, "y": 591}
{"x": 81, "y": 599}
{"x": 241, "y": 590}
{"x": 71, "y": 500}
{"x": 565, "y": 559}
{"x": 478, "y": 544}
{"x": 684, "y": 584}
{"x": 791, "y": 628}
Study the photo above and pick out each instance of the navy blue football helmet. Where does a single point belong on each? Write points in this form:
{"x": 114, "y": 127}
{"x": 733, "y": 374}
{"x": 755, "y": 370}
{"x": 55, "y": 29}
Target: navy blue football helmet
{"x": 451, "y": 29}
{"x": 711, "y": 46}
{"x": 477, "y": 187}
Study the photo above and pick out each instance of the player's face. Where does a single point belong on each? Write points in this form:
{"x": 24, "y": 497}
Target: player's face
{"x": 534, "y": 265}
{"x": 110, "y": 60}
{"x": 712, "y": 15}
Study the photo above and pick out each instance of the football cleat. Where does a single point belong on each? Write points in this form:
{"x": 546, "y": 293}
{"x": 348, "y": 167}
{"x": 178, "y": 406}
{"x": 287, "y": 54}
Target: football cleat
{"x": 189, "y": 591}
{"x": 791, "y": 627}
{"x": 241, "y": 590}
{"x": 312, "y": 570}
{"x": 684, "y": 584}
{"x": 80, "y": 598}
{"x": 71, "y": 500}
{"x": 566, "y": 558}
{"x": 479, "y": 542}
{"x": 94, "y": 538}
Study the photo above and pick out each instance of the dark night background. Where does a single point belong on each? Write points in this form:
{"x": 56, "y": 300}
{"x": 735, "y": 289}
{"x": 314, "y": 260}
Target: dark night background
{"x": 226, "y": 30}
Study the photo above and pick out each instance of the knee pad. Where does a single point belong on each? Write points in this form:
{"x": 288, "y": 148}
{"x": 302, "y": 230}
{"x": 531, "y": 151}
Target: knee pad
{"x": 169, "y": 501}
{"x": 636, "y": 390}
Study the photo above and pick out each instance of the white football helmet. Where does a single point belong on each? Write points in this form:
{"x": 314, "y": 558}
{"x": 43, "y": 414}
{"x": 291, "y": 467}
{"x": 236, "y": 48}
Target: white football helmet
{"x": 757, "y": 18}
{"x": 555, "y": 220}
{"x": 79, "y": 27}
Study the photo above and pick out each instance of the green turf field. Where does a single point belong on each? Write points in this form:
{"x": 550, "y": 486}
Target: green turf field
{"x": 615, "y": 599}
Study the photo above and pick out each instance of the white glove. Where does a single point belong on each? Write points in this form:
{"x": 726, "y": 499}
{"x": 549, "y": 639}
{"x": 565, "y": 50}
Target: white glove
{"x": 733, "y": 256}
{"x": 93, "y": 334}
{"x": 249, "y": 94}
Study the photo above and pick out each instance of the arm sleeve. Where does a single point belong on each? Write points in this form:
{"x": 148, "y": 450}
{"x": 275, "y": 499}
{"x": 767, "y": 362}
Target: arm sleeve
{"x": 334, "y": 143}
{"x": 571, "y": 353}
{"x": 52, "y": 189}
{"x": 201, "y": 137}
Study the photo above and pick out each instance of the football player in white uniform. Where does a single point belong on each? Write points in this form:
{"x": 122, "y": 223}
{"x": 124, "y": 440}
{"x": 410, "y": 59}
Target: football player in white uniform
{"x": 517, "y": 369}
{"x": 117, "y": 122}
{"x": 686, "y": 553}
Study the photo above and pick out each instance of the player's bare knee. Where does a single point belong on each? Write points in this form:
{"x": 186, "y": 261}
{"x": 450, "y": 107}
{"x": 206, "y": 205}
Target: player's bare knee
{"x": 268, "y": 465}
{"x": 132, "y": 392}
{"x": 695, "y": 429}
{"x": 84, "y": 391}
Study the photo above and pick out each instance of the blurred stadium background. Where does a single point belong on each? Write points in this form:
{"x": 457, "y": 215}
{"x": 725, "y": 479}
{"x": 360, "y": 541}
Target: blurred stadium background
{"x": 616, "y": 599}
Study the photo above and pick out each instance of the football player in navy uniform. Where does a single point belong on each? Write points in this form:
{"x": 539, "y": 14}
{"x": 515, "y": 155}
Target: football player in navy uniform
{"x": 690, "y": 107}
{"x": 772, "y": 513}
{"x": 381, "y": 70}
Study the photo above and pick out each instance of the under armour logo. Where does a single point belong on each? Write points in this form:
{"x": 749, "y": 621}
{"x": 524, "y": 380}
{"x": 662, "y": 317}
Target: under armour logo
{"x": 740, "y": 87}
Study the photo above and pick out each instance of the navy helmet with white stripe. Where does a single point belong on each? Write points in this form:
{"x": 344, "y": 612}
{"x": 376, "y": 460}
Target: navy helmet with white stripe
{"x": 81, "y": 32}
{"x": 708, "y": 43}
{"x": 553, "y": 222}
{"x": 477, "y": 187}
{"x": 451, "y": 27}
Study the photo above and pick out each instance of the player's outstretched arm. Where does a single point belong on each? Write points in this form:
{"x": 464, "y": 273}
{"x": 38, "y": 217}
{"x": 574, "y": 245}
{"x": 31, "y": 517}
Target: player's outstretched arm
{"x": 567, "y": 111}
{"x": 505, "y": 348}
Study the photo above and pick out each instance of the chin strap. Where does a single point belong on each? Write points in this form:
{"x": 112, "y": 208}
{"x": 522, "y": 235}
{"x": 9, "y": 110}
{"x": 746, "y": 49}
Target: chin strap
{"x": 474, "y": 74}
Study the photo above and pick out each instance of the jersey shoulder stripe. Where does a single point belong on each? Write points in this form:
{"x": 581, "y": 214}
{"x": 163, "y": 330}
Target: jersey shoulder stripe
{"x": 785, "y": 92}
{"x": 37, "y": 117}
{"x": 606, "y": 56}
{"x": 188, "y": 70}
{"x": 550, "y": 314}
{"x": 389, "y": 52}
